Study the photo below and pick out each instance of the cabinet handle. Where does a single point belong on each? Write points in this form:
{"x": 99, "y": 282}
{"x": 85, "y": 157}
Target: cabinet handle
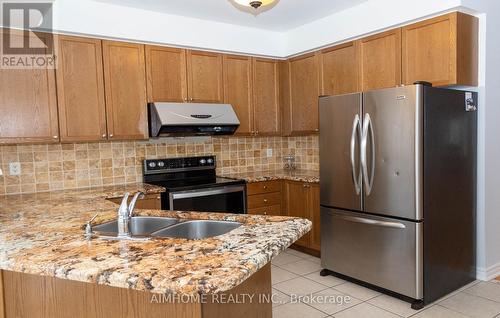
{"x": 110, "y": 135}
{"x": 55, "y": 137}
{"x": 158, "y": 198}
{"x": 257, "y": 132}
{"x": 306, "y": 186}
{"x": 265, "y": 200}
{"x": 265, "y": 187}
{"x": 316, "y": 130}
{"x": 103, "y": 136}
{"x": 265, "y": 213}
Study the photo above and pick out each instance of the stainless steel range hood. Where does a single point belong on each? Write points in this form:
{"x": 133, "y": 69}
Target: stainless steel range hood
{"x": 191, "y": 119}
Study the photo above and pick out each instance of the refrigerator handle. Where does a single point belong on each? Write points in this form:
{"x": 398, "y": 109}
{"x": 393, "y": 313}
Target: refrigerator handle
{"x": 355, "y": 219}
{"x": 368, "y": 128}
{"x": 356, "y": 130}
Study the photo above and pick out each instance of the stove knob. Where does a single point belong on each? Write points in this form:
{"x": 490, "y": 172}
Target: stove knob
{"x": 203, "y": 161}
{"x": 210, "y": 161}
{"x": 161, "y": 164}
{"x": 152, "y": 164}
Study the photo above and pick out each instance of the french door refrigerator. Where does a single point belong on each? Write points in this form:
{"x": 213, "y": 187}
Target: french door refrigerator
{"x": 398, "y": 189}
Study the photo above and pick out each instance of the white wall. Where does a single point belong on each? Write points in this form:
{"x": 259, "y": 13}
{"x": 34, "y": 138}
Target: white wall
{"x": 367, "y": 17}
{"x": 489, "y": 139}
{"x": 108, "y": 20}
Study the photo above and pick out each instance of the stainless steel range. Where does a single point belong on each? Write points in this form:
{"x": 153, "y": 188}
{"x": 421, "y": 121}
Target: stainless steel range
{"x": 192, "y": 185}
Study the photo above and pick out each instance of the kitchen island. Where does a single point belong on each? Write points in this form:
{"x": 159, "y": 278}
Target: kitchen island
{"x": 50, "y": 269}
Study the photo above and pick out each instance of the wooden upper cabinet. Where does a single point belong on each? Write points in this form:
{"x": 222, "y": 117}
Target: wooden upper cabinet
{"x": 204, "y": 74}
{"x": 442, "y": 50}
{"x": 238, "y": 90}
{"x": 125, "y": 83}
{"x": 166, "y": 74}
{"x": 339, "y": 69}
{"x": 28, "y": 102}
{"x": 380, "y": 60}
{"x": 266, "y": 108}
{"x": 304, "y": 93}
{"x": 80, "y": 90}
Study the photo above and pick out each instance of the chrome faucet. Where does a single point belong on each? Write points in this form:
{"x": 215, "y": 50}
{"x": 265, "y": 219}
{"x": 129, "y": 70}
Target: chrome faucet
{"x": 125, "y": 213}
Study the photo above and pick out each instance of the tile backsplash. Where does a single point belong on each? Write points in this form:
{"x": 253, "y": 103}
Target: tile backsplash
{"x": 69, "y": 166}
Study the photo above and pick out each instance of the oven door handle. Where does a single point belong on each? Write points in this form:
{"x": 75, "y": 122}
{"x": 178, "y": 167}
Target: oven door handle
{"x": 204, "y": 193}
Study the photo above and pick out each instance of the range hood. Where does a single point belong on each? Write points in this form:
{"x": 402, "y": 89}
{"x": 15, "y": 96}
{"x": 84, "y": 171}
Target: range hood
{"x": 191, "y": 119}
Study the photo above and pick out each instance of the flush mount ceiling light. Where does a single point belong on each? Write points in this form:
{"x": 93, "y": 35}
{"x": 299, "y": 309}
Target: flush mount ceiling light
{"x": 253, "y": 3}
{"x": 254, "y": 6}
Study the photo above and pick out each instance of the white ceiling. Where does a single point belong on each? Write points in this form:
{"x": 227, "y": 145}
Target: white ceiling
{"x": 285, "y": 15}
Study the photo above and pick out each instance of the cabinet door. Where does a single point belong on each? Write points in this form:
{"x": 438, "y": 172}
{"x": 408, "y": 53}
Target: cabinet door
{"x": 266, "y": 97}
{"x": 28, "y": 102}
{"x": 296, "y": 203}
{"x": 125, "y": 83}
{"x": 339, "y": 69}
{"x": 205, "y": 82}
{"x": 380, "y": 60}
{"x": 304, "y": 86}
{"x": 166, "y": 73}
{"x": 80, "y": 90}
{"x": 238, "y": 90}
{"x": 442, "y": 50}
{"x": 314, "y": 209}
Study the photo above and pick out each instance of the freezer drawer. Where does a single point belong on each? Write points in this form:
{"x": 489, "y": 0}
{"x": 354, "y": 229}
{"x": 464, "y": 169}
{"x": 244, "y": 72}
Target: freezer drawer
{"x": 381, "y": 251}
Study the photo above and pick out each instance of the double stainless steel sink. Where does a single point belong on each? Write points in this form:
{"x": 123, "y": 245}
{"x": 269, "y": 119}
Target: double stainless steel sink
{"x": 163, "y": 227}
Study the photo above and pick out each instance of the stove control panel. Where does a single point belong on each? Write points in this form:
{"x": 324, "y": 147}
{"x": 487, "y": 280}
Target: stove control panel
{"x": 179, "y": 164}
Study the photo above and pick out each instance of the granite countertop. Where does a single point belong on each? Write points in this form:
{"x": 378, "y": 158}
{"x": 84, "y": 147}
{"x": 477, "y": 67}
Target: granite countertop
{"x": 43, "y": 234}
{"x": 311, "y": 176}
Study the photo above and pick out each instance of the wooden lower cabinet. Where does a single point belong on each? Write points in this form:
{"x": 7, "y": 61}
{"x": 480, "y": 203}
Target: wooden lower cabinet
{"x": 302, "y": 200}
{"x": 150, "y": 202}
{"x": 264, "y": 198}
{"x": 29, "y": 296}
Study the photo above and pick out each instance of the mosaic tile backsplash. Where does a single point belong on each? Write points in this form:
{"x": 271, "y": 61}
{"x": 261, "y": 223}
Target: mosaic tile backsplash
{"x": 69, "y": 166}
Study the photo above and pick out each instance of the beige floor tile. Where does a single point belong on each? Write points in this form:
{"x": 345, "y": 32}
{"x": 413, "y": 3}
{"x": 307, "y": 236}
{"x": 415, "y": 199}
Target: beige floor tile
{"x": 331, "y": 301}
{"x": 487, "y": 290}
{"x": 299, "y": 286}
{"x": 313, "y": 259}
{"x": 302, "y": 267}
{"x": 357, "y": 291}
{"x": 285, "y": 258}
{"x": 279, "y": 275}
{"x": 296, "y": 310}
{"x": 365, "y": 310}
{"x": 279, "y": 298}
{"x": 438, "y": 312}
{"x": 394, "y": 305}
{"x": 329, "y": 280}
{"x": 297, "y": 253}
{"x": 471, "y": 305}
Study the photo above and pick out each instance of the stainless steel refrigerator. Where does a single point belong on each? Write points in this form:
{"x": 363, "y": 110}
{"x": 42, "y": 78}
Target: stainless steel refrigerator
{"x": 398, "y": 189}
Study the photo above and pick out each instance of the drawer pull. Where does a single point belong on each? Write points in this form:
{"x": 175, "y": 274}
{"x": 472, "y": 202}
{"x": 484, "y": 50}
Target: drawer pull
{"x": 265, "y": 200}
{"x": 265, "y": 187}
{"x": 265, "y": 213}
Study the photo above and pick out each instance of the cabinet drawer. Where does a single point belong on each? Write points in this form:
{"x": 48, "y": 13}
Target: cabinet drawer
{"x": 387, "y": 252}
{"x": 264, "y": 200}
{"x": 263, "y": 187}
{"x": 267, "y": 210}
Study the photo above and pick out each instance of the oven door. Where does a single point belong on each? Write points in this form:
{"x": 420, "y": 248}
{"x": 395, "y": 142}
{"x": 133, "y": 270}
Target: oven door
{"x": 228, "y": 199}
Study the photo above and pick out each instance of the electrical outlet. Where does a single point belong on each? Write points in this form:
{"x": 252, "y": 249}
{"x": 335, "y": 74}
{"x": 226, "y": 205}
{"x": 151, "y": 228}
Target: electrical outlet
{"x": 14, "y": 168}
{"x": 269, "y": 153}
